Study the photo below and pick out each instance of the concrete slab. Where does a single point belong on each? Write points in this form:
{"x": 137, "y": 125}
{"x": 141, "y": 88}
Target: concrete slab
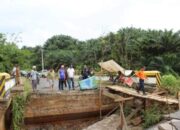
{"x": 176, "y": 124}
{"x": 109, "y": 123}
{"x": 166, "y": 126}
{"x": 175, "y": 115}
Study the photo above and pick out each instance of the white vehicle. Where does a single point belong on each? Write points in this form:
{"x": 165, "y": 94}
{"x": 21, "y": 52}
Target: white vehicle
{"x": 44, "y": 73}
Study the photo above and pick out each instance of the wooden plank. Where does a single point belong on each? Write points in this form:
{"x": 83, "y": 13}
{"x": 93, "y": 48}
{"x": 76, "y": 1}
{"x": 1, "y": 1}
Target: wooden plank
{"x": 111, "y": 66}
{"x": 110, "y": 95}
{"x": 123, "y": 123}
{"x": 116, "y": 97}
{"x": 132, "y": 92}
{"x": 158, "y": 93}
{"x": 123, "y": 99}
{"x": 136, "y": 121}
{"x": 133, "y": 113}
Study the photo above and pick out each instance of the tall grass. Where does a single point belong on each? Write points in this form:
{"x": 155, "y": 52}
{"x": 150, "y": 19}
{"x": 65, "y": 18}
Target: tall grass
{"x": 152, "y": 116}
{"x": 18, "y": 104}
{"x": 171, "y": 83}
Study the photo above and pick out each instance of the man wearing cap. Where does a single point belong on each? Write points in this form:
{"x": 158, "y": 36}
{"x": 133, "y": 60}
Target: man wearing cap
{"x": 34, "y": 78}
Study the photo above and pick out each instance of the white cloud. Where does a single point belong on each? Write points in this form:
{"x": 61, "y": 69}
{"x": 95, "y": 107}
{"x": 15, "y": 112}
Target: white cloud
{"x": 83, "y": 19}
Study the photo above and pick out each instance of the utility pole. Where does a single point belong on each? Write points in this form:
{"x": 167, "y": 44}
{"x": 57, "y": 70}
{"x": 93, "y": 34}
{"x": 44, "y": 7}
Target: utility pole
{"x": 42, "y": 59}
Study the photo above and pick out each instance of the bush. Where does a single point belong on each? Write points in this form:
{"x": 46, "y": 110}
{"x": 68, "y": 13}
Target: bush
{"x": 169, "y": 80}
{"x": 152, "y": 116}
{"x": 18, "y": 104}
{"x": 127, "y": 110}
{"x": 18, "y": 109}
{"x": 170, "y": 83}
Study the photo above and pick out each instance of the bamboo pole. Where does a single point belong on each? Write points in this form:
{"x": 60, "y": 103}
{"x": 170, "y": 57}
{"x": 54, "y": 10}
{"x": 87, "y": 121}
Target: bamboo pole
{"x": 123, "y": 123}
{"x": 100, "y": 95}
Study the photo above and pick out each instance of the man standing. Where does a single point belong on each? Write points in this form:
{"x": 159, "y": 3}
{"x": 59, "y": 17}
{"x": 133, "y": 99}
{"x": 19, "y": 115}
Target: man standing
{"x": 34, "y": 78}
{"x": 62, "y": 77}
{"x": 85, "y": 72}
{"x": 50, "y": 77}
{"x": 119, "y": 77}
{"x": 16, "y": 74}
{"x": 70, "y": 73}
{"x": 140, "y": 74}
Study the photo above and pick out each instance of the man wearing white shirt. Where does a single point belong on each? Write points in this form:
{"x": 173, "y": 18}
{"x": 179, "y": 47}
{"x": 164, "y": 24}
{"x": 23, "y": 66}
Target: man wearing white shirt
{"x": 16, "y": 74}
{"x": 70, "y": 73}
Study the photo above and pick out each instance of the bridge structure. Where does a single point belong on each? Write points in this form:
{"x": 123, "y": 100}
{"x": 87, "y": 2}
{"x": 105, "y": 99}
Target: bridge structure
{"x": 149, "y": 96}
{"x": 45, "y": 105}
{"x": 6, "y": 82}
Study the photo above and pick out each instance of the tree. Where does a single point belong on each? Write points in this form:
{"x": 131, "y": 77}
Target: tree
{"x": 130, "y": 47}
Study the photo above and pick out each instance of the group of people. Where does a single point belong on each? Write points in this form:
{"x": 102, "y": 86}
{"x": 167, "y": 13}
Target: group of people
{"x": 63, "y": 74}
{"x": 66, "y": 76}
{"x": 33, "y": 75}
{"x": 140, "y": 74}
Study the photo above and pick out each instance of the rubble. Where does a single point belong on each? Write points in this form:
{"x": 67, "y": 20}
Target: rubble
{"x": 109, "y": 123}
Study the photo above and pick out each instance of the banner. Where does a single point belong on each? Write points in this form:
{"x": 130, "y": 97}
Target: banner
{"x": 129, "y": 81}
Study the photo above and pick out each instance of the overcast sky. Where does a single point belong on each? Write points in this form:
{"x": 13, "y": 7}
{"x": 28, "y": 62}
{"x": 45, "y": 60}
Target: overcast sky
{"x": 34, "y": 21}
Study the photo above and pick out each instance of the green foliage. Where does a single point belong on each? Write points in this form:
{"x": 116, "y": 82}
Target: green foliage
{"x": 129, "y": 47}
{"x": 127, "y": 110}
{"x": 61, "y": 42}
{"x": 18, "y": 104}
{"x": 18, "y": 109}
{"x": 10, "y": 54}
{"x": 168, "y": 80}
{"x": 152, "y": 116}
{"x": 171, "y": 83}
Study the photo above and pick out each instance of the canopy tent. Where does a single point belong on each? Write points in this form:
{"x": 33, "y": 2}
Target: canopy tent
{"x": 112, "y": 66}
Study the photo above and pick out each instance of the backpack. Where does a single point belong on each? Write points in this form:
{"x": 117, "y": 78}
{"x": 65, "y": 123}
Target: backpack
{"x": 62, "y": 74}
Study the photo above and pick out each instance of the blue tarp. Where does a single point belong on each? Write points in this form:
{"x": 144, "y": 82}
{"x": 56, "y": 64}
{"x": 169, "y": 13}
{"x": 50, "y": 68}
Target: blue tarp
{"x": 89, "y": 83}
